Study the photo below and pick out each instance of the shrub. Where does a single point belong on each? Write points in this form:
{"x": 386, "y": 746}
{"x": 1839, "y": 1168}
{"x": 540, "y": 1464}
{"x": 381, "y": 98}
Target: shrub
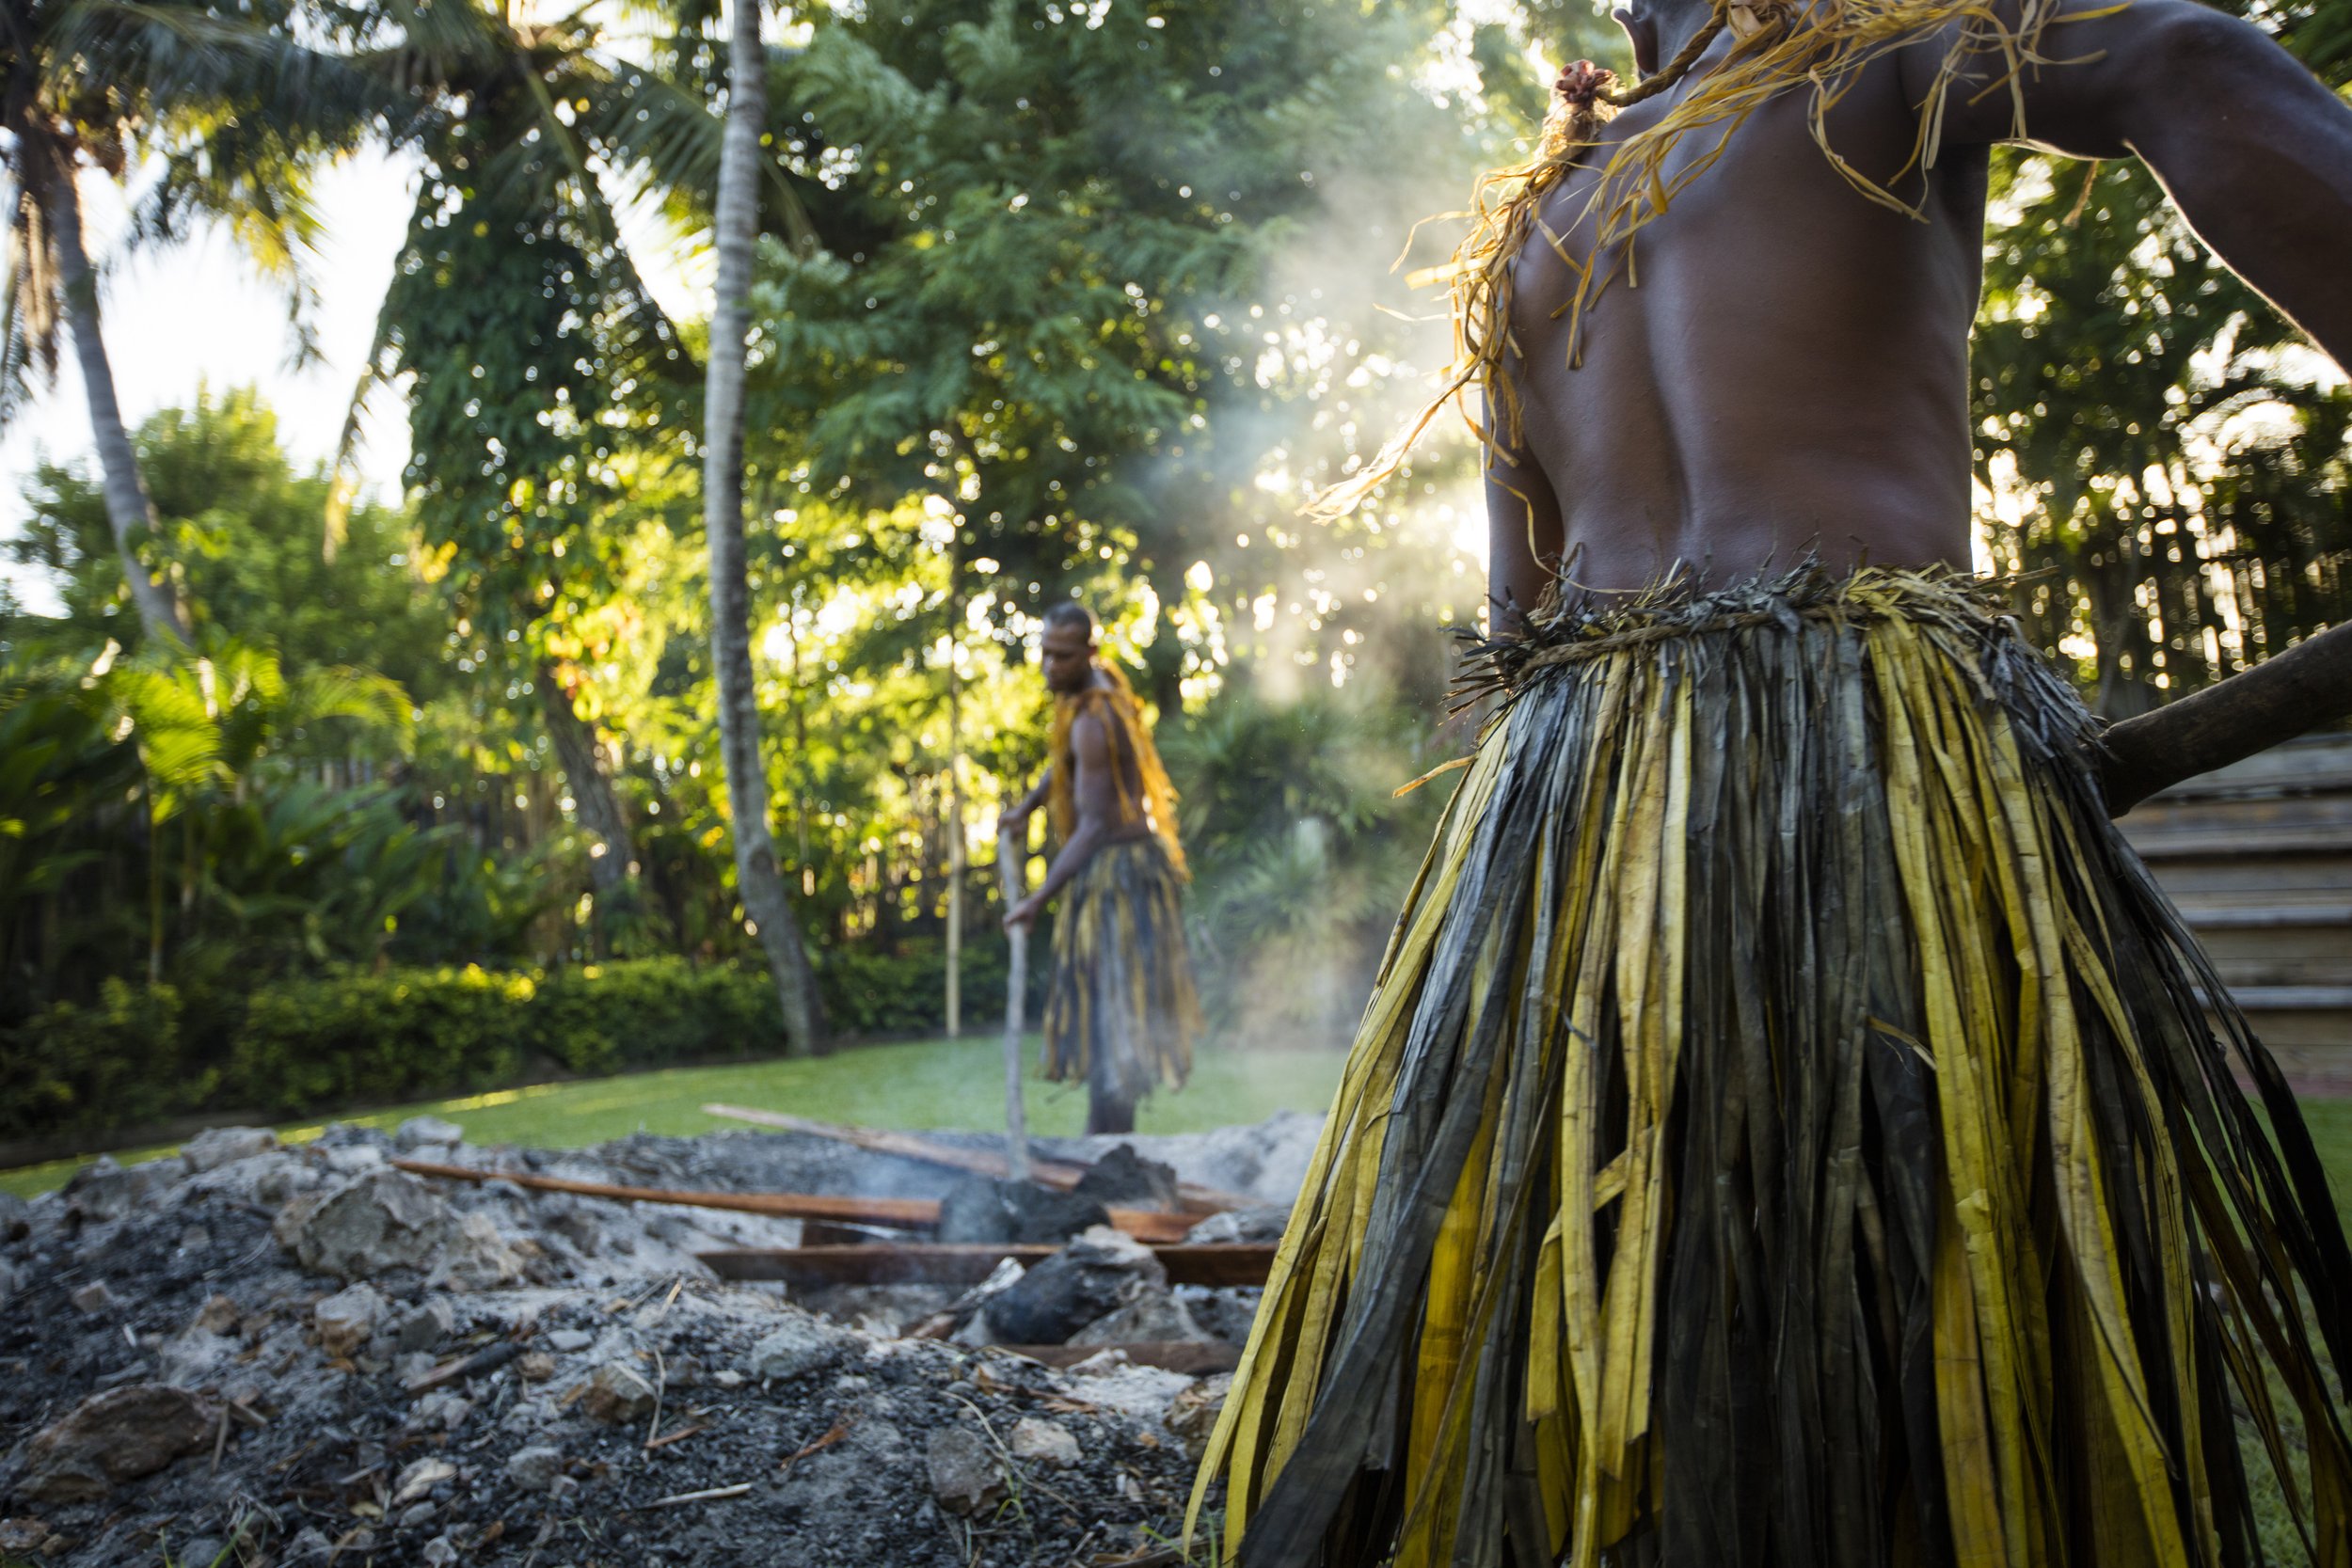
{"x": 110, "y": 1062}
{"x": 887, "y": 993}
{"x": 352, "y": 1038}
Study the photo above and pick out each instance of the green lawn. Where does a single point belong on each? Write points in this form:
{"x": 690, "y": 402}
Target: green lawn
{"x": 946, "y": 1084}
{"x": 925, "y": 1083}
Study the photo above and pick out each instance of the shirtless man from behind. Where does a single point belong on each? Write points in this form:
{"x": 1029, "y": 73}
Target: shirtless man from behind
{"x": 1789, "y": 1129}
{"x": 1791, "y": 372}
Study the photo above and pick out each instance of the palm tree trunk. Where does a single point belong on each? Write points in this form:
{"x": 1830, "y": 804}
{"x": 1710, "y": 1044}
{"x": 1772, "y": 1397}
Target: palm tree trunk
{"x": 612, "y": 858}
{"x": 128, "y": 508}
{"x": 765, "y": 904}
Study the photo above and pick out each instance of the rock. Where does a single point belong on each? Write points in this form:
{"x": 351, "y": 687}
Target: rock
{"x": 420, "y": 1476}
{"x": 1192, "y": 1414}
{"x": 534, "y": 1366}
{"x": 112, "y": 1437}
{"x": 802, "y": 1343}
{"x": 966, "y": 1474}
{"x": 217, "y": 1146}
{"x": 195, "y": 1357}
{"x": 1146, "y": 1393}
{"x": 382, "y": 1220}
{"x": 440, "y": 1552}
{"x": 537, "y": 1468}
{"x": 1156, "y": 1314}
{"x": 422, "y": 1328}
{"x": 268, "y": 1179}
{"x": 193, "y": 1240}
{"x": 1043, "y": 1441}
{"x": 978, "y": 1208}
{"x": 309, "y": 1548}
{"x": 477, "y": 1256}
{"x": 94, "y": 1299}
{"x": 354, "y": 1159}
{"x": 441, "y": 1409}
{"x": 23, "y": 1535}
{"x": 617, "y": 1395}
{"x": 102, "y": 1190}
{"x": 1124, "y": 1180}
{"x": 426, "y": 1133}
{"x": 219, "y": 1315}
{"x": 16, "y": 1218}
{"x": 1092, "y": 1278}
{"x": 569, "y": 1341}
{"x": 1264, "y": 1224}
{"x": 346, "y": 1320}
{"x": 1222, "y": 1314}
{"x": 8, "y": 1283}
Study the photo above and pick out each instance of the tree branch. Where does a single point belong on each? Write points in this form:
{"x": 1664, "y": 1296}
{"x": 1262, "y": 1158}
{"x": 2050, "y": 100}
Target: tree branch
{"x": 2307, "y": 686}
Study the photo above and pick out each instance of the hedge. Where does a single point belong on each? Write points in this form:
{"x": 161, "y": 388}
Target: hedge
{"x": 140, "y": 1055}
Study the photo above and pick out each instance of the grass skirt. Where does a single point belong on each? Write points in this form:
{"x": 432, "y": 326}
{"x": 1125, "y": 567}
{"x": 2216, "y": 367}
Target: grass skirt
{"x": 1786, "y": 1131}
{"x": 1121, "y": 1010}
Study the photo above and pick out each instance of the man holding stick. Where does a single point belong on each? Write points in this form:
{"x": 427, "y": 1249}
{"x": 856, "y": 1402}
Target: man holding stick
{"x": 1120, "y": 1011}
{"x": 1787, "y": 1131}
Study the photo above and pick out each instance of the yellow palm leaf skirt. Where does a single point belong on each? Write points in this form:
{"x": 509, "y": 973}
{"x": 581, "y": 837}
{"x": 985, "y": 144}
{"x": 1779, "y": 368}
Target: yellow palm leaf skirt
{"x": 1786, "y": 1129}
{"x": 1121, "y": 1007}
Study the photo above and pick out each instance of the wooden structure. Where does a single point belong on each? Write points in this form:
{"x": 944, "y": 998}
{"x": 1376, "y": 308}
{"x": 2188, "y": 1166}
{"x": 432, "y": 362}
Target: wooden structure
{"x": 2258, "y": 856}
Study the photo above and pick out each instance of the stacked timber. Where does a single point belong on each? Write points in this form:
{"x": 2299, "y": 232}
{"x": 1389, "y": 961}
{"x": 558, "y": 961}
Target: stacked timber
{"x": 2258, "y": 856}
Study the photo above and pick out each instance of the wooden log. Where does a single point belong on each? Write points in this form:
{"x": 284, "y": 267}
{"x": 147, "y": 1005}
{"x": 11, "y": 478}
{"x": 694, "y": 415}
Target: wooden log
{"x": 967, "y": 1262}
{"x": 898, "y": 1214}
{"x": 2306, "y": 685}
{"x": 1062, "y": 1175}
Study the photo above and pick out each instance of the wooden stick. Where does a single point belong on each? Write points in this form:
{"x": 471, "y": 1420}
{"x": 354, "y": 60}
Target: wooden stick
{"x": 710, "y": 1495}
{"x": 1013, "y": 876}
{"x": 2306, "y": 685}
{"x": 969, "y": 1263}
{"x": 1062, "y": 1175}
{"x": 899, "y": 1214}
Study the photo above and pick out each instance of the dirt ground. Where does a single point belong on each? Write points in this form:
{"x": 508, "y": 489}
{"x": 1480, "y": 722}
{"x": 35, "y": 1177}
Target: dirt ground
{"x": 218, "y": 1358}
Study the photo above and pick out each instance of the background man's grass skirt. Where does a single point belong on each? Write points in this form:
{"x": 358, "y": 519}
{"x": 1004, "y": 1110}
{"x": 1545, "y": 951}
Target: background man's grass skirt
{"x": 1121, "y": 1010}
{"x": 1786, "y": 1131}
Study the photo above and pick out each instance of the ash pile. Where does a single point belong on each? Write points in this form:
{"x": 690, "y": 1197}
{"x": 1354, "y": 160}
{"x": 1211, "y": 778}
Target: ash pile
{"x": 254, "y": 1354}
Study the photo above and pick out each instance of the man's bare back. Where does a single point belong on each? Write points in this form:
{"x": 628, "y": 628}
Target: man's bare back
{"x": 1790, "y": 374}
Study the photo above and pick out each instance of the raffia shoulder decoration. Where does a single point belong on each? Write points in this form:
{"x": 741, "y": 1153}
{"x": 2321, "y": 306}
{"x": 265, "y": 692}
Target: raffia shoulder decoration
{"x": 1778, "y": 46}
{"x": 1130, "y": 734}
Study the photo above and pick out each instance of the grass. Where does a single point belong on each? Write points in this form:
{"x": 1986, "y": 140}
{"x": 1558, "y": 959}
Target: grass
{"x": 918, "y": 1085}
{"x": 922, "y": 1084}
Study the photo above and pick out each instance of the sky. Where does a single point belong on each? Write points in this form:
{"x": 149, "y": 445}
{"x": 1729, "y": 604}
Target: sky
{"x": 199, "y": 314}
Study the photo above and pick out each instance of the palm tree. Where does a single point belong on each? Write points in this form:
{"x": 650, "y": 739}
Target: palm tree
{"x": 527, "y": 337}
{"x": 224, "y": 111}
{"x": 765, "y": 904}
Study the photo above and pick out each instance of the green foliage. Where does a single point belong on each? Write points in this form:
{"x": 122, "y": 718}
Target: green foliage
{"x": 2163, "y": 450}
{"x": 155, "y": 816}
{"x": 341, "y": 1037}
{"x": 113, "y": 1061}
{"x": 246, "y": 533}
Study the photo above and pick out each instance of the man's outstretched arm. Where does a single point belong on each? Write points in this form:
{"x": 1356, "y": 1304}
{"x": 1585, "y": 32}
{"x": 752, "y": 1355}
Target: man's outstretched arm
{"x": 2253, "y": 149}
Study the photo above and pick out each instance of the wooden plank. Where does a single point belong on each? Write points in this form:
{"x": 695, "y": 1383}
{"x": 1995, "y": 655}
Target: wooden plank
{"x": 2219, "y": 843}
{"x": 898, "y": 1214}
{"x": 1062, "y": 1175}
{"x": 967, "y": 1262}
